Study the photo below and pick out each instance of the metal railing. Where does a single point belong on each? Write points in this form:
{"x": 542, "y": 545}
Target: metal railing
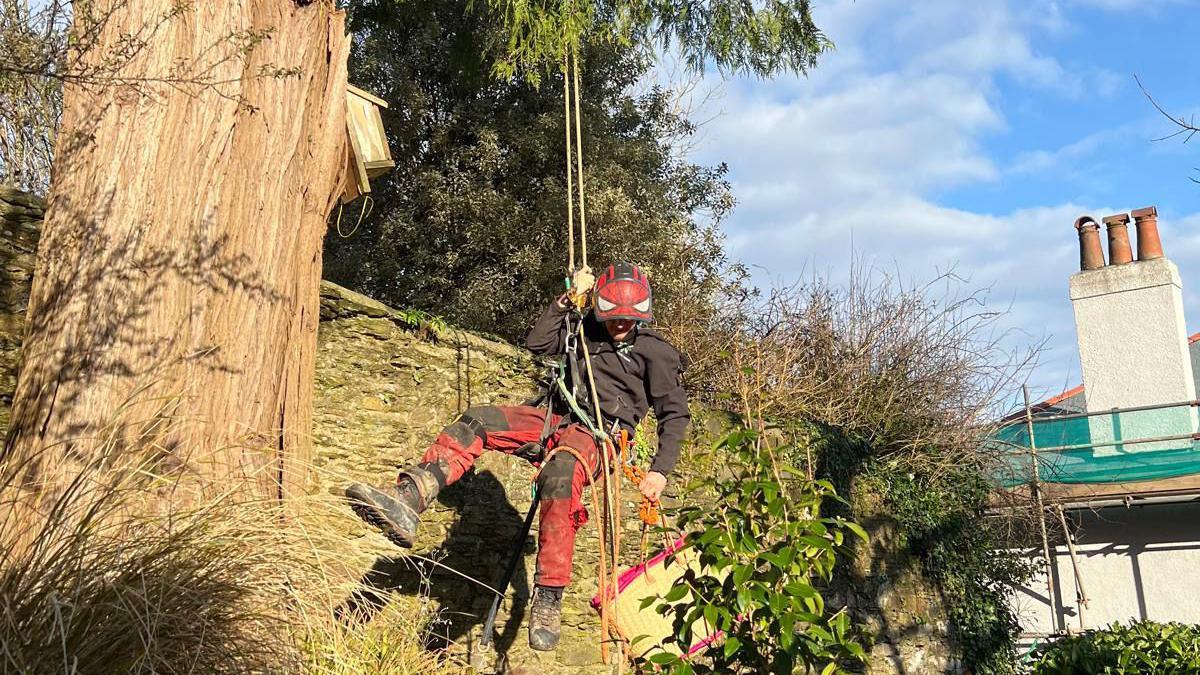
{"x": 1032, "y": 421}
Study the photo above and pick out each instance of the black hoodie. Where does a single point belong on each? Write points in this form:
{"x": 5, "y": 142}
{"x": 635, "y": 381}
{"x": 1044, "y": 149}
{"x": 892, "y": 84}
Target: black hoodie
{"x": 643, "y": 370}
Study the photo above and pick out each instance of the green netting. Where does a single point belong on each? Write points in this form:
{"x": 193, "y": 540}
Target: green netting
{"x": 1100, "y": 449}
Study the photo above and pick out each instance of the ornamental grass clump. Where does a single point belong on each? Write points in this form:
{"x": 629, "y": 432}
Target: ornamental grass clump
{"x": 92, "y": 581}
{"x": 128, "y": 569}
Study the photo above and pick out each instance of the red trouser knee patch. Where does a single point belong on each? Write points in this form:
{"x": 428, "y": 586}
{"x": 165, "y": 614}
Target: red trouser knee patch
{"x": 563, "y": 514}
{"x": 500, "y": 428}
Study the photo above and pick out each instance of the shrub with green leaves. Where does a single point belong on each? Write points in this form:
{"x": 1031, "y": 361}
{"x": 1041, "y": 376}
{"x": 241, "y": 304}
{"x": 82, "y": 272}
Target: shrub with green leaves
{"x": 765, "y": 555}
{"x": 1140, "y": 647}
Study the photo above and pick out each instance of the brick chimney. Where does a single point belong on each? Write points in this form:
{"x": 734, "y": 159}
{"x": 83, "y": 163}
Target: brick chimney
{"x": 1133, "y": 343}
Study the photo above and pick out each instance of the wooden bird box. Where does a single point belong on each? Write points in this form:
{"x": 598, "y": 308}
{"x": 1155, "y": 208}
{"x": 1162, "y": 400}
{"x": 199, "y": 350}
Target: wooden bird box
{"x": 368, "y": 155}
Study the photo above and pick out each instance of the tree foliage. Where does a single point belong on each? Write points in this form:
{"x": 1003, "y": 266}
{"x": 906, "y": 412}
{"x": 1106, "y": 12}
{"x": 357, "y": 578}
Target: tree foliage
{"x": 760, "y": 38}
{"x": 471, "y": 223}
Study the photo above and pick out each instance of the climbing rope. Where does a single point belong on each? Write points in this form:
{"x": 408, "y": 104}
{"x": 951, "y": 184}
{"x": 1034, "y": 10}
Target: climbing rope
{"x": 603, "y": 563}
{"x": 579, "y": 161}
{"x": 570, "y": 187}
{"x": 609, "y": 515}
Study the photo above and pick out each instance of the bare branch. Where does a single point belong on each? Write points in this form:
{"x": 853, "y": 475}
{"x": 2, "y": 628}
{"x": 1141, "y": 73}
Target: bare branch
{"x": 1187, "y": 127}
{"x": 919, "y": 372}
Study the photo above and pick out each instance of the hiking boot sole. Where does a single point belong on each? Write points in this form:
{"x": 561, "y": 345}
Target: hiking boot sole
{"x": 375, "y": 517}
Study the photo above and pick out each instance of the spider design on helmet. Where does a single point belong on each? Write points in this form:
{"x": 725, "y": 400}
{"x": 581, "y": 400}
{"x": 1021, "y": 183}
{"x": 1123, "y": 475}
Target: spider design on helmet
{"x": 623, "y": 292}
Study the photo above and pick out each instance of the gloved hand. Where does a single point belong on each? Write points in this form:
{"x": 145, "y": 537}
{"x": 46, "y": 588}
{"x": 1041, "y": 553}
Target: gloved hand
{"x": 582, "y": 282}
{"x": 652, "y": 485}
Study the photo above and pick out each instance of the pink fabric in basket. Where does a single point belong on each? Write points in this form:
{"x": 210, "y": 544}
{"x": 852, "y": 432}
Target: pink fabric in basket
{"x": 627, "y": 577}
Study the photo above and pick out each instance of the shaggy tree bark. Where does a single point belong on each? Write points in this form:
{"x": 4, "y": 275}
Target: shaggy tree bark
{"x": 175, "y": 301}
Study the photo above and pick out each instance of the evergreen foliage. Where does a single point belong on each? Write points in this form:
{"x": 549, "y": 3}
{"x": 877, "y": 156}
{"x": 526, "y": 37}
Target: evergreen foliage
{"x": 1141, "y": 647}
{"x": 470, "y": 225}
{"x": 760, "y": 38}
{"x": 767, "y": 551}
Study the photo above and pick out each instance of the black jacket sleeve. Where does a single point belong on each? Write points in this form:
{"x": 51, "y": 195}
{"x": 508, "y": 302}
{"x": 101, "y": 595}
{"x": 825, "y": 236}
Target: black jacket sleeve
{"x": 666, "y": 393}
{"x": 545, "y": 338}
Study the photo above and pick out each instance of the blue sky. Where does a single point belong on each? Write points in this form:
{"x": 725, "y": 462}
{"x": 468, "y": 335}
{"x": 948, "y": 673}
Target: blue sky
{"x": 968, "y": 135}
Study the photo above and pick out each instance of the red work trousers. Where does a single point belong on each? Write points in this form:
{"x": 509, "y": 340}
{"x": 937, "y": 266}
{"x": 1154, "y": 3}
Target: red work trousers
{"x": 559, "y": 485}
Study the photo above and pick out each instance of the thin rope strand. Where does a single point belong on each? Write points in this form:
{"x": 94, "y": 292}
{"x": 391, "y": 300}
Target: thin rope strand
{"x": 579, "y": 162}
{"x": 609, "y": 572}
{"x": 609, "y": 516}
{"x": 570, "y": 169}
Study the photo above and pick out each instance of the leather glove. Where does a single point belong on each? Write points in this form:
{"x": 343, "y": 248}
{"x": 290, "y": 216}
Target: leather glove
{"x": 582, "y": 282}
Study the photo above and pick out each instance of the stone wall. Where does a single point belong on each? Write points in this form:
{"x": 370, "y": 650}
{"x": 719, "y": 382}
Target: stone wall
{"x": 383, "y": 389}
{"x": 887, "y": 592}
{"x": 20, "y": 224}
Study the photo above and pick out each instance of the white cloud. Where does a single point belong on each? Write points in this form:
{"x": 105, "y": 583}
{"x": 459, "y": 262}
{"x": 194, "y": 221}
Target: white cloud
{"x": 852, "y": 159}
{"x": 856, "y": 140}
{"x": 1065, "y": 157}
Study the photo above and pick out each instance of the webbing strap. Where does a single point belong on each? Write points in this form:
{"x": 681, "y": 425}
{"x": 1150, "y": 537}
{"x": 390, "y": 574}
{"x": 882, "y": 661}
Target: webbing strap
{"x": 567, "y": 395}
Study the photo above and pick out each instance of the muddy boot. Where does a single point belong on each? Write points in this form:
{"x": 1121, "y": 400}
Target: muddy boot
{"x": 545, "y": 618}
{"x": 396, "y": 510}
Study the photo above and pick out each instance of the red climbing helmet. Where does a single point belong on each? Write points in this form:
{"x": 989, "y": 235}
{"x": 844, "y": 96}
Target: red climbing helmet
{"x": 623, "y": 292}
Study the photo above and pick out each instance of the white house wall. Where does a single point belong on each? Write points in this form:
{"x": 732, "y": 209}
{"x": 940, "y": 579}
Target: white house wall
{"x": 1135, "y": 563}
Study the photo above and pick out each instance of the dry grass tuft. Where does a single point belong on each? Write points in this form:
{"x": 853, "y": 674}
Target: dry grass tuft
{"x": 107, "y": 575}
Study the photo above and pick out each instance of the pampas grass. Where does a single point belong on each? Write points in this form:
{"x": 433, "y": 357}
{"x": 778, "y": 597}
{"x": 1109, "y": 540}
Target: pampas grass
{"x": 126, "y": 570}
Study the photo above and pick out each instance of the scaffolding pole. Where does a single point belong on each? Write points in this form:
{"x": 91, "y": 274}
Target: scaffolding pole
{"x": 1041, "y": 511}
{"x": 1080, "y": 595}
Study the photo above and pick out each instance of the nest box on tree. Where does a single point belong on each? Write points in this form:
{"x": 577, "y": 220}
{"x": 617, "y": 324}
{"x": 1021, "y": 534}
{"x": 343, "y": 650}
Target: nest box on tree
{"x": 367, "y": 154}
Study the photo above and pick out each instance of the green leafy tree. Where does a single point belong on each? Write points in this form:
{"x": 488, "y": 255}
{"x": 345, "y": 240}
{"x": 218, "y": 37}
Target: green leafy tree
{"x": 470, "y": 225}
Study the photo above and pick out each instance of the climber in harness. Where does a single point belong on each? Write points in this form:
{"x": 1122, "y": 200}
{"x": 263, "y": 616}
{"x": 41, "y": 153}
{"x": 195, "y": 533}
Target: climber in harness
{"x": 634, "y": 369}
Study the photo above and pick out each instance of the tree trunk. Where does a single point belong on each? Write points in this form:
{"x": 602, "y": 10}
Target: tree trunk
{"x": 175, "y": 303}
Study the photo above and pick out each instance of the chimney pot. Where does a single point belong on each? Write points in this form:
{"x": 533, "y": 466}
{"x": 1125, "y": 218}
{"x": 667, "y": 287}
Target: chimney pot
{"x": 1149, "y": 245}
{"x": 1119, "y": 251}
{"x": 1091, "y": 255}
